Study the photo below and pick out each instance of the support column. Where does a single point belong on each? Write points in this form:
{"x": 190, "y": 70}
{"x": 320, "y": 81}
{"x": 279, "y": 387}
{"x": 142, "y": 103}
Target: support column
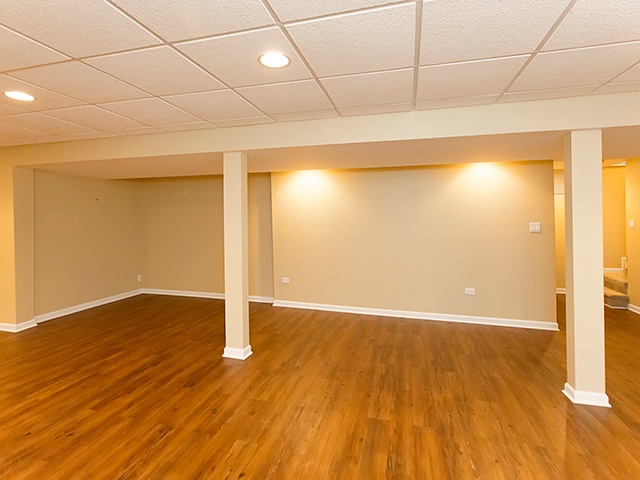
{"x": 236, "y": 257}
{"x": 16, "y": 249}
{"x": 584, "y": 269}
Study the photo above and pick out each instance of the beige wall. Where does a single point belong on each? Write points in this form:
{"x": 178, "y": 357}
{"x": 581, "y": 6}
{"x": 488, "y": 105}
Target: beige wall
{"x": 23, "y": 198}
{"x": 613, "y": 216}
{"x": 413, "y": 239}
{"x": 633, "y": 234}
{"x": 86, "y": 245}
{"x": 181, "y": 224}
{"x": 260, "y": 236}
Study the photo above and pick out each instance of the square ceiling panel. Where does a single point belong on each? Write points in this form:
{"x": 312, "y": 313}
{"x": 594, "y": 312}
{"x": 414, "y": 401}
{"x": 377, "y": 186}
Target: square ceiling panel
{"x": 44, "y": 123}
{"x": 217, "y": 105}
{"x": 13, "y": 131}
{"x": 458, "y": 30}
{"x": 78, "y": 28}
{"x": 574, "y": 68}
{"x": 150, "y": 111}
{"x": 288, "y": 10}
{"x": 371, "y": 88}
{"x": 17, "y": 51}
{"x": 375, "y": 40}
{"x": 234, "y": 58}
{"x": 631, "y": 75}
{"x": 158, "y": 70}
{"x": 80, "y": 81}
{"x": 594, "y": 22}
{"x": 44, "y": 99}
{"x": 449, "y": 81}
{"x": 291, "y": 97}
{"x": 95, "y": 117}
{"x": 176, "y": 20}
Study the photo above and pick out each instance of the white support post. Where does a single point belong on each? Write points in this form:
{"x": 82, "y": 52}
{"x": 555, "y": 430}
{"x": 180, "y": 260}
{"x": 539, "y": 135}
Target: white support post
{"x": 584, "y": 269}
{"x": 236, "y": 257}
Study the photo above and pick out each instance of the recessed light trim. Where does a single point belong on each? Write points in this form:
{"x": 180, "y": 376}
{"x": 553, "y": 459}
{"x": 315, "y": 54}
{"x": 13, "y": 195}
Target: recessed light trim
{"x": 274, "y": 60}
{"x": 22, "y": 96}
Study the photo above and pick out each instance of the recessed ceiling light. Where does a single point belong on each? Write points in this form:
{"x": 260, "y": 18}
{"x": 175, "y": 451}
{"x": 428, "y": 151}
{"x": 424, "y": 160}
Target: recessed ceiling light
{"x": 24, "y": 97}
{"x": 274, "y": 60}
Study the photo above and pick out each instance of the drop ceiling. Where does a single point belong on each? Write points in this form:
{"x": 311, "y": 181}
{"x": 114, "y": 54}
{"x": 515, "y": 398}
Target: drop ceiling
{"x": 103, "y": 68}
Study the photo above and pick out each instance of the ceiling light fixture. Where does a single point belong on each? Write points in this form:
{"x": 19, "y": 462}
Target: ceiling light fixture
{"x": 274, "y": 60}
{"x": 23, "y": 97}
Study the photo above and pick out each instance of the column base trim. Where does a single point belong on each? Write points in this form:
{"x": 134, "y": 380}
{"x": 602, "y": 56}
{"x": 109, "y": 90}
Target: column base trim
{"x": 586, "y": 398}
{"x": 237, "y": 353}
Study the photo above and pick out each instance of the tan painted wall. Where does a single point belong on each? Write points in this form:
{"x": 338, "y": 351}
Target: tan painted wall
{"x": 414, "y": 239}
{"x": 182, "y": 234}
{"x": 613, "y": 216}
{"x": 613, "y": 220}
{"x": 181, "y": 224}
{"x": 633, "y": 234}
{"x": 86, "y": 244}
{"x": 8, "y": 300}
{"x": 23, "y": 197}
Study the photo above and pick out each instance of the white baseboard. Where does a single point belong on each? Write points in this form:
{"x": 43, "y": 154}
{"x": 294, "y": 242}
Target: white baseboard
{"x": 183, "y": 293}
{"x": 237, "y": 353}
{"x": 441, "y": 317}
{"x": 257, "y": 299}
{"x": 45, "y": 317}
{"x": 633, "y": 308}
{"x": 17, "y": 327}
{"x": 613, "y": 270}
{"x": 561, "y": 291}
{"x": 579, "y": 397}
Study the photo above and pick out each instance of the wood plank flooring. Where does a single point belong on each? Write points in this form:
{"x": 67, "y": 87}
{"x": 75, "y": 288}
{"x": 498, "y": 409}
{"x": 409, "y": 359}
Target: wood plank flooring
{"x": 138, "y": 390}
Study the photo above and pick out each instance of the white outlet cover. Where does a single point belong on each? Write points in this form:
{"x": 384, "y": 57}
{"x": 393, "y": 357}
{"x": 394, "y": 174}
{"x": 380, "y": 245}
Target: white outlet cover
{"x": 535, "y": 227}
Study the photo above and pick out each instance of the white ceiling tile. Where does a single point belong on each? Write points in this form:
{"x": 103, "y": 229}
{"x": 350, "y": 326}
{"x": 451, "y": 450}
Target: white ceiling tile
{"x": 150, "y": 111}
{"x": 186, "y": 19}
{"x": 458, "y": 30}
{"x": 79, "y": 81}
{"x": 187, "y": 126}
{"x": 371, "y": 88}
{"x": 619, "y": 88}
{"x": 44, "y": 123}
{"x": 546, "y": 94}
{"x": 450, "y": 81}
{"x": 376, "y": 109}
{"x": 631, "y": 75}
{"x": 238, "y": 122}
{"x": 78, "y": 28}
{"x": 17, "y": 51}
{"x": 158, "y": 70}
{"x": 44, "y": 99}
{"x": 456, "y": 102}
{"x": 594, "y": 22}
{"x": 215, "y": 106}
{"x": 94, "y": 117}
{"x": 6, "y": 109}
{"x": 85, "y": 135}
{"x": 290, "y": 97}
{"x": 288, "y": 10}
{"x": 299, "y": 116}
{"x": 234, "y": 58}
{"x": 574, "y": 68}
{"x": 15, "y": 132}
{"x": 381, "y": 39}
{"x": 144, "y": 130}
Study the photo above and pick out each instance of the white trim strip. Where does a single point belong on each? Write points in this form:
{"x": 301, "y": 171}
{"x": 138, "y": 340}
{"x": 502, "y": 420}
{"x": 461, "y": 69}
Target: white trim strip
{"x": 237, "y": 353}
{"x": 17, "y": 327}
{"x": 561, "y": 291}
{"x": 580, "y": 397}
{"x": 45, "y": 317}
{"x": 633, "y": 308}
{"x": 257, "y": 299}
{"x": 441, "y": 317}
{"x": 182, "y": 293}
{"x": 613, "y": 270}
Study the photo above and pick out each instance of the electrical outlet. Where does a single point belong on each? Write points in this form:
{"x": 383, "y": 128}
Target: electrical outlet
{"x": 469, "y": 291}
{"x": 285, "y": 279}
{"x": 139, "y": 278}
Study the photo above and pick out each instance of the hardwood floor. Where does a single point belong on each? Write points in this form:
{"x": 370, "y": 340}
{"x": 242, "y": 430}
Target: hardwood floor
{"x": 138, "y": 390}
